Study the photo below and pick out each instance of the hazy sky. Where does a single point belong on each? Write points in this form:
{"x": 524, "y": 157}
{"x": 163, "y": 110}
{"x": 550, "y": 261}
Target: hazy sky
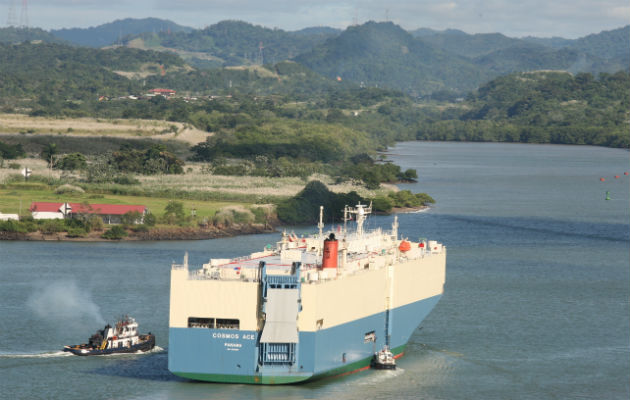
{"x": 516, "y": 18}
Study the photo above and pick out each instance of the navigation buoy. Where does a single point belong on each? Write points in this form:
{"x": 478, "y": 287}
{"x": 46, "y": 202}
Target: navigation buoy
{"x": 625, "y": 173}
{"x": 616, "y": 176}
{"x": 602, "y": 179}
{"x": 607, "y": 195}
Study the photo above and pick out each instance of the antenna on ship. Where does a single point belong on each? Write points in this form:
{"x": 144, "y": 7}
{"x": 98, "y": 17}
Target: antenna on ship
{"x": 320, "y": 225}
{"x": 361, "y": 212}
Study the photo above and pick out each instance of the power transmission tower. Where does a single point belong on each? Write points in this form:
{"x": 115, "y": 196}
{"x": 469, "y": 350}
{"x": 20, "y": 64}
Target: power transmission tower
{"x": 24, "y": 14}
{"x": 11, "y": 19}
{"x": 259, "y": 58}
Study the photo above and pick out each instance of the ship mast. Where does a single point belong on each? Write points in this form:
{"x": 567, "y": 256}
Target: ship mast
{"x": 320, "y": 225}
{"x": 361, "y": 212}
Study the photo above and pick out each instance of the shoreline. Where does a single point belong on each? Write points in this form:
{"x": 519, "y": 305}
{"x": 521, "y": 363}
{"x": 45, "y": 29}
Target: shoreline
{"x": 158, "y": 234}
{"x": 172, "y": 233}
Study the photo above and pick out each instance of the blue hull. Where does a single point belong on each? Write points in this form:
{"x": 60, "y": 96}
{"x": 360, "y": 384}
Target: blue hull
{"x": 232, "y": 355}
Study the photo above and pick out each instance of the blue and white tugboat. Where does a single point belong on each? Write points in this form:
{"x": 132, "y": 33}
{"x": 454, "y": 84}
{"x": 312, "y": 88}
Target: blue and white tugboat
{"x": 383, "y": 359}
{"x": 121, "y": 338}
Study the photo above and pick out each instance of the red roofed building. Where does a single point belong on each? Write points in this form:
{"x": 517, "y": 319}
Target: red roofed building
{"x": 163, "y": 92}
{"x": 110, "y": 213}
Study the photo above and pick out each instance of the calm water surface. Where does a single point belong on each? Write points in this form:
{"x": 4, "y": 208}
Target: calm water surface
{"x": 536, "y": 303}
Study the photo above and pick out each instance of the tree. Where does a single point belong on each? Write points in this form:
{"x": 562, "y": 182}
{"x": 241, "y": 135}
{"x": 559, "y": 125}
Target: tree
{"x": 72, "y": 162}
{"x": 174, "y": 212}
{"x": 48, "y": 153}
{"x": 130, "y": 218}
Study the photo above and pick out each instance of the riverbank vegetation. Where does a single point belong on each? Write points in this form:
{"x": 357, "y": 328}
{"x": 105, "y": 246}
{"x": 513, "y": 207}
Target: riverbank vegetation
{"x": 259, "y": 134}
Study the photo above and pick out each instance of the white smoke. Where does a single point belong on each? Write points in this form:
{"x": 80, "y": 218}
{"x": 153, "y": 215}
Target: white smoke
{"x": 64, "y": 302}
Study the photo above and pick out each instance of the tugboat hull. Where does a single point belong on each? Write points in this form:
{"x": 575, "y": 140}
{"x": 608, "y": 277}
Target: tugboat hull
{"x": 147, "y": 343}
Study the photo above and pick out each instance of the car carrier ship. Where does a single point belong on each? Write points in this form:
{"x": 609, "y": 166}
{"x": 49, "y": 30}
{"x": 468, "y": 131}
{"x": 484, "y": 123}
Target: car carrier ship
{"x": 311, "y": 307}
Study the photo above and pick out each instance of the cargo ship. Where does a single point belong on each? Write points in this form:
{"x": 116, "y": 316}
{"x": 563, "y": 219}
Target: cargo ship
{"x": 308, "y": 308}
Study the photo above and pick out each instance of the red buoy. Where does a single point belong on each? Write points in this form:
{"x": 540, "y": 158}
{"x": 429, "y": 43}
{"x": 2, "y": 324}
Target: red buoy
{"x": 625, "y": 173}
{"x": 602, "y": 179}
{"x": 616, "y": 176}
{"x": 331, "y": 249}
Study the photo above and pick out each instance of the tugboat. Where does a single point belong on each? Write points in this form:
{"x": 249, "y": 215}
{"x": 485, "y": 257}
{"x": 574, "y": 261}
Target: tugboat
{"x": 122, "y": 338}
{"x": 383, "y": 359}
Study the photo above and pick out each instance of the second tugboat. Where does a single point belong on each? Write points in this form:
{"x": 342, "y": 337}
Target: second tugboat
{"x": 122, "y": 338}
{"x": 383, "y": 359}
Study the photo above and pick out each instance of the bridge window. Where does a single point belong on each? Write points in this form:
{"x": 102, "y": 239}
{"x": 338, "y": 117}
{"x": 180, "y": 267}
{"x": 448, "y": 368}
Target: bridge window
{"x": 196, "y": 322}
{"x": 228, "y": 323}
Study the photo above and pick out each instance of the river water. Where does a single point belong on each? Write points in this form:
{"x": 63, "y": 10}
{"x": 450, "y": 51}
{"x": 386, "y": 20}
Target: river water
{"x": 536, "y": 304}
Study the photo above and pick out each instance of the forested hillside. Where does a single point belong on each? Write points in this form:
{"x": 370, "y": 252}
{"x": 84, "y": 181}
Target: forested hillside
{"x": 541, "y": 107}
{"x": 114, "y": 32}
{"x": 58, "y": 73}
{"x": 14, "y": 35}
{"x": 383, "y": 54}
{"x": 236, "y": 43}
{"x": 607, "y": 51}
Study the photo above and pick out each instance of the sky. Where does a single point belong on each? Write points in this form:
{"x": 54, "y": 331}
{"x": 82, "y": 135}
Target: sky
{"x": 514, "y": 18}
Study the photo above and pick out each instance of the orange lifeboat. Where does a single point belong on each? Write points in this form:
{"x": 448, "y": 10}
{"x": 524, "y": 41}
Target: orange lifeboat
{"x": 404, "y": 246}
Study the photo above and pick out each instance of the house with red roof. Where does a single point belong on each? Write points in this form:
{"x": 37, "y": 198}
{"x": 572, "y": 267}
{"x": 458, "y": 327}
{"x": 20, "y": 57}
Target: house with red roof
{"x": 163, "y": 92}
{"x": 109, "y": 213}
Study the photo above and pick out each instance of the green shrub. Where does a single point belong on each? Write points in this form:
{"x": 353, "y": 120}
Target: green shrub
{"x": 126, "y": 180}
{"x": 76, "y": 232}
{"x": 72, "y": 162}
{"x": 14, "y": 165}
{"x": 116, "y": 232}
{"x": 53, "y": 226}
{"x": 12, "y": 226}
{"x": 140, "y": 228}
{"x": 304, "y": 207}
{"x": 233, "y": 215}
{"x": 94, "y": 223}
{"x": 174, "y": 213}
{"x": 67, "y": 188}
{"x": 130, "y": 218}
{"x": 150, "y": 219}
{"x": 382, "y": 204}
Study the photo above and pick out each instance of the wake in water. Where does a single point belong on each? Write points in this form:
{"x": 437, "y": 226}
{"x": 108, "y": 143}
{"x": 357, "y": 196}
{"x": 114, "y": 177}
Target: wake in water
{"x": 156, "y": 349}
{"x": 379, "y": 376}
{"x": 60, "y": 353}
{"x": 49, "y": 354}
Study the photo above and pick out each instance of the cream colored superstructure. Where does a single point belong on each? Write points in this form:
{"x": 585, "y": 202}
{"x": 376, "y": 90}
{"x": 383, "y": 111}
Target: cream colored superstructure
{"x": 366, "y": 292}
{"x": 381, "y": 277}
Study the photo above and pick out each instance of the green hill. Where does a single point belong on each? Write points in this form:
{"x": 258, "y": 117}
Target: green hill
{"x": 59, "y": 72}
{"x": 232, "y": 43}
{"x": 607, "y": 51}
{"x": 613, "y": 47}
{"x": 15, "y": 35}
{"x": 463, "y": 44}
{"x": 383, "y": 54}
{"x": 113, "y": 32}
{"x": 527, "y": 57}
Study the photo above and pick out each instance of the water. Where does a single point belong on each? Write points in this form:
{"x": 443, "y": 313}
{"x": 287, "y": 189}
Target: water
{"x": 536, "y": 303}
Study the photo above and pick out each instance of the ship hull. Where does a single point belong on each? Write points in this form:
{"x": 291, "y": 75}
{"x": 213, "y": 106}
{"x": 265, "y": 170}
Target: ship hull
{"x": 231, "y": 355}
